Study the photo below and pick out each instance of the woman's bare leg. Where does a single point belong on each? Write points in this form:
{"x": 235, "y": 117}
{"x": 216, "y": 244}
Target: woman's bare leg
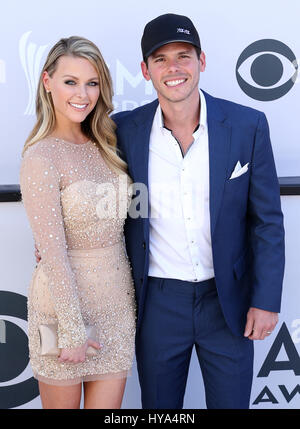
{"x": 101, "y": 394}
{"x": 63, "y": 397}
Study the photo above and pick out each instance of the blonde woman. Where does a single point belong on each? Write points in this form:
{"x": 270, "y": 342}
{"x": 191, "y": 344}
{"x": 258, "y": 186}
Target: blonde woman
{"x": 70, "y": 183}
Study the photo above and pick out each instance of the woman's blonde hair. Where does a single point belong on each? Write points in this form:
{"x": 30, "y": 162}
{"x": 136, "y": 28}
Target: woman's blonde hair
{"x": 97, "y": 126}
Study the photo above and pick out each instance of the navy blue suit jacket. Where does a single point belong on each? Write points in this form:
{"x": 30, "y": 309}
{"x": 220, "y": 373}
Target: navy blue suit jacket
{"x": 246, "y": 220}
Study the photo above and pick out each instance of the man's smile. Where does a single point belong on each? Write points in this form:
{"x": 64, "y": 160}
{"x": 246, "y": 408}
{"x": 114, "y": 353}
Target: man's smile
{"x": 175, "y": 82}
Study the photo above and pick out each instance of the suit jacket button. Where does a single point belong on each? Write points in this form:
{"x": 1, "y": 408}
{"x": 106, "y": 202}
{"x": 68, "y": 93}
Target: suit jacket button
{"x": 144, "y": 245}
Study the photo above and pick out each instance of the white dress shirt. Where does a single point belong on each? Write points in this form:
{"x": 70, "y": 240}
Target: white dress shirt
{"x": 180, "y": 240}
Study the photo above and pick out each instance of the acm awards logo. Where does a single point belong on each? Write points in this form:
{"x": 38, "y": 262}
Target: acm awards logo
{"x": 273, "y": 70}
{"x": 14, "y": 353}
{"x": 31, "y": 56}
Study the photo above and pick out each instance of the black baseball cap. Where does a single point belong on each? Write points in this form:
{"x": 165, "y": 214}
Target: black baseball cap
{"x": 168, "y": 28}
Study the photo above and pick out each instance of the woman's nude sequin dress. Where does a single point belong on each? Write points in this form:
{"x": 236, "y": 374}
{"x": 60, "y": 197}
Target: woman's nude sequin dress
{"x": 76, "y": 207}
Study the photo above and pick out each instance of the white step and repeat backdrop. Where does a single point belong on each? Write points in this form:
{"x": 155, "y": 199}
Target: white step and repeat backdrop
{"x": 252, "y": 50}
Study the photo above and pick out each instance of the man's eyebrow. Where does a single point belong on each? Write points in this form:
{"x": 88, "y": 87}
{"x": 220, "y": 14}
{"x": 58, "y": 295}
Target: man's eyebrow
{"x": 157, "y": 55}
{"x": 186, "y": 51}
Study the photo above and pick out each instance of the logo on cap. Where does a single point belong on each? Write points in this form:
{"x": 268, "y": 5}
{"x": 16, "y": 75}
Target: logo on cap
{"x": 182, "y": 30}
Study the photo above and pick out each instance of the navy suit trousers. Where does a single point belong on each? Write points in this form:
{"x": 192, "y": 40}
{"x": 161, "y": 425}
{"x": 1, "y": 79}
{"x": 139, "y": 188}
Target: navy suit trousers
{"x": 179, "y": 315}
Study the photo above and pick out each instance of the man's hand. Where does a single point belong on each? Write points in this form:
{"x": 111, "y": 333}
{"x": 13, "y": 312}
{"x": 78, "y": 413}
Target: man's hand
{"x": 260, "y": 323}
{"x": 37, "y": 255}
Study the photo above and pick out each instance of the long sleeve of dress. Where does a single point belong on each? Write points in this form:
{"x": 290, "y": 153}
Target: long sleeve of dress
{"x": 39, "y": 180}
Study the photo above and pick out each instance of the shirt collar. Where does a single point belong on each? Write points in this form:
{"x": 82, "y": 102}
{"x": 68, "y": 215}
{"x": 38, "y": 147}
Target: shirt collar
{"x": 202, "y": 119}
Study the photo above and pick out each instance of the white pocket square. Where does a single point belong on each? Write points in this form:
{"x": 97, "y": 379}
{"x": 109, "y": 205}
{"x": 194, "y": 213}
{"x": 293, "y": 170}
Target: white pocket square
{"x": 239, "y": 170}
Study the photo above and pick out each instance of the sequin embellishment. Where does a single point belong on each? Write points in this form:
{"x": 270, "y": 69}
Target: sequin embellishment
{"x": 84, "y": 277}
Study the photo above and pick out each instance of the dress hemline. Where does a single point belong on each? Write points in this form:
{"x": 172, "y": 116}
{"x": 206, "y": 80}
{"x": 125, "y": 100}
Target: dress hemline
{"x": 82, "y": 379}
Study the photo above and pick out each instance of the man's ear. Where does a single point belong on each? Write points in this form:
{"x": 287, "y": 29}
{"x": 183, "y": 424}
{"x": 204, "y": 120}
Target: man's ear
{"x": 145, "y": 70}
{"x": 202, "y": 61}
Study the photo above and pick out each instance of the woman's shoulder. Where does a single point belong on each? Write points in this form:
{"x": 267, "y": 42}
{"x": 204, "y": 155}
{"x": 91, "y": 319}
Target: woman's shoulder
{"x": 44, "y": 151}
{"x": 46, "y": 148}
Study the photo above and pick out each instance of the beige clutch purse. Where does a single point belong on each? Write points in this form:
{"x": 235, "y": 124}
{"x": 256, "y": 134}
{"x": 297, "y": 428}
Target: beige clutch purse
{"x": 48, "y": 338}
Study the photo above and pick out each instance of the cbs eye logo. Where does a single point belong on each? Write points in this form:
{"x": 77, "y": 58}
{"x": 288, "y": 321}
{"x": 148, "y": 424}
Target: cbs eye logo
{"x": 15, "y": 389}
{"x": 271, "y": 66}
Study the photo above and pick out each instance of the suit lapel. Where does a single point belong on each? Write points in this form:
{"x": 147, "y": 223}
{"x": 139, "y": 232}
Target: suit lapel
{"x": 219, "y": 134}
{"x": 142, "y": 125}
{"x": 140, "y": 139}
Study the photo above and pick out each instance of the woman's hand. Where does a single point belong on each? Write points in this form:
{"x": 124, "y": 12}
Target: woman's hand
{"x": 77, "y": 354}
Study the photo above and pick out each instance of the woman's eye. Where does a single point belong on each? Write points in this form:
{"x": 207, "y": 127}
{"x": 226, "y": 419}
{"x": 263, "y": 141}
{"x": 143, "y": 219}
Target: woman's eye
{"x": 72, "y": 82}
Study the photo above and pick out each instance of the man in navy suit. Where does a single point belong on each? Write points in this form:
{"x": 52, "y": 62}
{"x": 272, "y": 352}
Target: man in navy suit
{"x": 207, "y": 250}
